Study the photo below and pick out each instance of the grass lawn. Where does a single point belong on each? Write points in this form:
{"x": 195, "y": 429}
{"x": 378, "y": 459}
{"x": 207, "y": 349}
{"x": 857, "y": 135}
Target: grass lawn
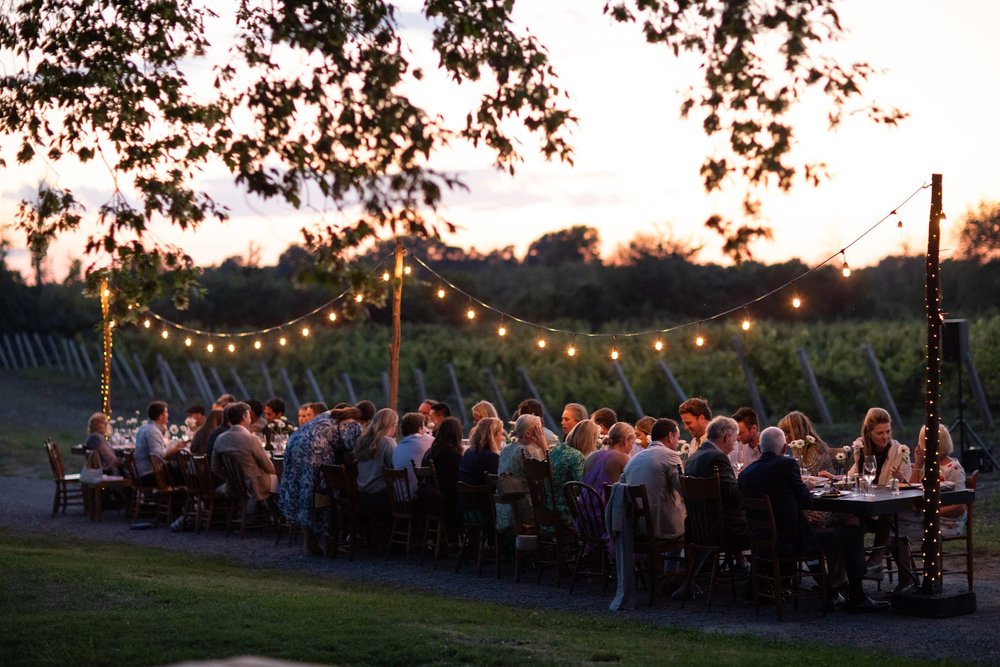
{"x": 81, "y": 603}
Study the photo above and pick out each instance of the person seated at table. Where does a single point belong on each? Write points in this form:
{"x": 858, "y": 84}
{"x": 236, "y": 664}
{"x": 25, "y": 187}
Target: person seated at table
{"x": 605, "y": 466}
{"x": 446, "y": 455}
{"x": 195, "y": 417}
{"x": 573, "y": 414}
{"x": 658, "y": 467}
{"x": 805, "y": 444}
{"x": 309, "y": 448}
{"x": 747, "y": 449}
{"x": 605, "y": 418}
{"x": 951, "y": 517}
{"x": 258, "y": 423}
{"x": 222, "y": 401}
{"x": 528, "y": 441}
{"x": 97, "y": 430}
{"x": 892, "y": 461}
{"x": 642, "y": 429}
{"x": 695, "y": 415}
{"x": 530, "y": 406}
{"x": 199, "y": 443}
{"x": 713, "y": 457}
{"x": 240, "y": 444}
{"x": 309, "y": 411}
{"x": 150, "y": 440}
{"x": 483, "y": 455}
{"x": 367, "y": 412}
{"x": 778, "y": 477}
{"x": 412, "y": 446}
{"x": 274, "y": 410}
{"x": 439, "y": 412}
{"x": 483, "y": 409}
{"x": 567, "y": 462}
{"x": 372, "y": 453}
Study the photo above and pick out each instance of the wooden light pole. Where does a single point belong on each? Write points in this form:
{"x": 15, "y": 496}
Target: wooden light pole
{"x": 930, "y": 600}
{"x": 106, "y": 335}
{"x": 397, "y": 301}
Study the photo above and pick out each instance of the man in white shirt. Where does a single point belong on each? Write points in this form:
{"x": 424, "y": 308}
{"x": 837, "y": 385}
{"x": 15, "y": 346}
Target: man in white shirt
{"x": 747, "y": 449}
{"x": 412, "y": 447}
{"x": 150, "y": 440}
{"x": 695, "y": 415}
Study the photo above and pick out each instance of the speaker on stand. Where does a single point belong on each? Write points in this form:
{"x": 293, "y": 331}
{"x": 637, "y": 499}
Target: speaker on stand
{"x": 973, "y": 452}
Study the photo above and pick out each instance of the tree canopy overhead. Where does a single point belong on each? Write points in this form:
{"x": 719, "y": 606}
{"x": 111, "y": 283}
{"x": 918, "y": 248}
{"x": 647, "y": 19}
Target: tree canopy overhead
{"x": 310, "y": 102}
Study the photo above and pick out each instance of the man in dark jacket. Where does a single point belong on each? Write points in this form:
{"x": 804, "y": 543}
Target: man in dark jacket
{"x": 713, "y": 457}
{"x": 779, "y": 478}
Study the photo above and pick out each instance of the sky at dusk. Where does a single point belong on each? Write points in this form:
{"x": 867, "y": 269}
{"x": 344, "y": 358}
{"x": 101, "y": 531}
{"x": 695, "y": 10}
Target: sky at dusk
{"x": 636, "y": 163}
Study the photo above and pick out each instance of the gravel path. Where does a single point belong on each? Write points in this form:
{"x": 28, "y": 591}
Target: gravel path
{"x": 25, "y": 506}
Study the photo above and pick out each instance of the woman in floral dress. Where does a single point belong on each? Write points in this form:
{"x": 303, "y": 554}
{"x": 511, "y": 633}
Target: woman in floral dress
{"x": 322, "y": 441}
{"x": 567, "y": 461}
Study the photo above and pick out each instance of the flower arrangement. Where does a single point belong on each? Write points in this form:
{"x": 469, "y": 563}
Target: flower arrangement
{"x": 281, "y": 427}
{"x": 844, "y": 458}
{"x": 684, "y": 449}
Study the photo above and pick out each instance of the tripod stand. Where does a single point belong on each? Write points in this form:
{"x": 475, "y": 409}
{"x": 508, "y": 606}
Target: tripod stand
{"x": 966, "y": 434}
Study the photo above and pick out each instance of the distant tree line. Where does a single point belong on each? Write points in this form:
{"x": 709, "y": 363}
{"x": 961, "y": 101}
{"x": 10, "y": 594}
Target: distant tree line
{"x": 561, "y": 278}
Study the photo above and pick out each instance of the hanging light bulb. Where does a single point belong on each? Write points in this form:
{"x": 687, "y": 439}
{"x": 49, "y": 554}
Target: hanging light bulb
{"x": 571, "y": 350}
{"x": 440, "y": 292}
{"x": 470, "y": 313}
{"x": 187, "y": 341}
{"x": 359, "y": 297}
{"x": 147, "y": 324}
{"x": 210, "y": 347}
{"x": 796, "y": 301}
{"x": 501, "y": 330}
{"x": 407, "y": 270}
{"x": 846, "y": 270}
{"x": 231, "y": 347}
{"x": 165, "y": 334}
{"x": 305, "y": 331}
{"x": 745, "y": 324}
{"x": 658, "y": 345}
{"x": 541, "y": 343}
{"x": 385, "y": 276}
{"x": 614, "y": 354}
{"x": 282, "y": 341}
{"x": 256, "y": 345}
{"x": 332, "y": 316}
{"x": 899, "y": 220}
{"x": 699, "y": 340}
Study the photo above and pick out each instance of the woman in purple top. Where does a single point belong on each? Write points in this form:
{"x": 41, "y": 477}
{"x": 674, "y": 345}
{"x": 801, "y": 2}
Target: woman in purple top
{"x": 605, "y": 465}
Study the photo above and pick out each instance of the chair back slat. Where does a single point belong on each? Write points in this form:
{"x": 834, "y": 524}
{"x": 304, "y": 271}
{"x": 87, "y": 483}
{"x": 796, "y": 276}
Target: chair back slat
{"x": 55, "y": 460}
{"x": 760, "y": 526}
{"x": 397, "y": 484}
{"x": 541, "y": 490}
{"x": 236, "y": 485}
{"x": 587, "y": 508}
{"x": 160, "y": 473}
{"x": 705, "y": 525}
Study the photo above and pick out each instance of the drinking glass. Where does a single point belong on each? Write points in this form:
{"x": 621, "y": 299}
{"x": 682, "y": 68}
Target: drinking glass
{"x": 869, "y": 473}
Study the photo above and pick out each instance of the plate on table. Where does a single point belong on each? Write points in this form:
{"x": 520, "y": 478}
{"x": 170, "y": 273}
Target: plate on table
{"x": 909, "y": 487}
{"x": 832, "y": 493}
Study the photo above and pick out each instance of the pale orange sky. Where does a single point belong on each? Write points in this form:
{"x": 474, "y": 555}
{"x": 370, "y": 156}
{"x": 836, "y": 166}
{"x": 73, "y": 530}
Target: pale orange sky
{"x": 637, "y": 163}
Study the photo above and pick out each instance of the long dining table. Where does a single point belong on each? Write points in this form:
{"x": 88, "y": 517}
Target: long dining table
{"x": 883, "y": 501}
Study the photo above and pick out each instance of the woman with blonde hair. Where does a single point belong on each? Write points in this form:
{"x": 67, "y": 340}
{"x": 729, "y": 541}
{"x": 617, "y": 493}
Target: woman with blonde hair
{"x": 529, "y": 441}
{"x": 97, "y": 431}
{"x": 567, "y": 461}
{"x": 605, "y": 466}
{"x": 892, "y": 459}
{"x": 813, "y": 454}
{"x": 483, "y": 456}
{"x": 372, "y": 453}
{"x": 951, "y": 517}
{"x": 481, "y": 410}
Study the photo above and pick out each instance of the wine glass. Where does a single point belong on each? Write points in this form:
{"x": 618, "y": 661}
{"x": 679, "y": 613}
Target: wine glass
{"x": 869, "y": 473}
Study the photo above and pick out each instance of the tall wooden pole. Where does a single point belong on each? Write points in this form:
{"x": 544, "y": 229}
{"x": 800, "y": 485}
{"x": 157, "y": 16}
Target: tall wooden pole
{"x": 931, "y": 583}
{"x": 397, "y": 301}
{"x": 106, "y": 348}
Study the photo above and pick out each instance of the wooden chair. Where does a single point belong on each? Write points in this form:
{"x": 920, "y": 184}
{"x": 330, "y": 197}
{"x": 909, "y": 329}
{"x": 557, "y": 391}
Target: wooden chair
{"x": 166, "y": 493}
{"x": 587, "y": 507}
{"x": 771, "y": 573}
{"x": 705, "y": 533}
{"x": 93, "y": 493}
{"x": 347, "y": 510}
{"x": 507, "y": 492}
{"x": 213, "y": 507}
{"x": 143, "y": 495}
{"x": 651, "y": 551}
{"x": 68, "y": 491}
{"x": 478, "y": 524}
{"x": 557, "y": 542}
{"x": 432, "y": 508}
{"x": 192, "y": 500}
{"x": 237, "y": 495}
{"x": 403, "y": 510}
{"x": 964, "y": 540}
